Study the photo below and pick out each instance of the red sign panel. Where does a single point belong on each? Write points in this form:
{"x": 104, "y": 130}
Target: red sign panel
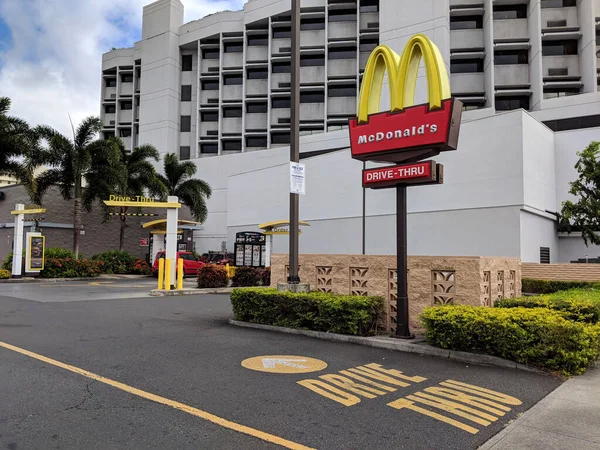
{"x": 422, "y": 173}
{"x": 404, "y": 135}
{"x": 144, "y": 242}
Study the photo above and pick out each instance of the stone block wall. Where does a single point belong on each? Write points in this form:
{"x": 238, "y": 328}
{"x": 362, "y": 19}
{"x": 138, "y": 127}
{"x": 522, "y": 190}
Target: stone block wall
{"x": 432, "y": 280}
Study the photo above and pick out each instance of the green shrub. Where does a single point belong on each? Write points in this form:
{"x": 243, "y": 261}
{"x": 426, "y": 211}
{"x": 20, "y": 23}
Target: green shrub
{"x": 7, "y": 263}
{"x": 116, "y": 262}
{"x": 57, "y": 252}
{"x": 71, "y": 268}
{"x": 246, "y": 277}
{"x": 140, "y": 267}
{"x": 578, "y": 305}
{"x": 265, "y": 276}
{"x": 532, "y": 286}
{"x": 535, "y": 336}
{"x": 317, "y": 311}
{"x": 212, "y": 276}
{"x": 5, "y": 274}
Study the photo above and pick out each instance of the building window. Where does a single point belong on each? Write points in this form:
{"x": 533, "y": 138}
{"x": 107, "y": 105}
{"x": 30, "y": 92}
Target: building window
{"x": 186, "y": 93}
{"x": 544, "y": 255}
{"x": 342, "y": 15}
{"x": 234, "y": 111}
{"x": 282, "y": 32}
{"x": 125, "y": 106}
{"x": 466, "y": 66}
{"x": 109, "y": 134}
{"x": 111, "y": 82}
{"x": 186, "y": 124}
{"x": 210, "y": 53}
{"x": 559, "y": 48}
{"x": 257, "y": 40}
{"x": 209, "y": 148}
{"x": 230, "y": 80}
{"x": 110, "y": 109}
{"x": 312, "y": 24}
{"x": 210, "y": 85}
{"x": 184, "y": 152}
{"x": 256, "y": 108}
{"x": 233, "y": 47}
{"x": 367, "y": 6}
{"x": 368, "y": 44}
{"x": 256, "y": 141}
{"x": 574, "y": 123}
{"x": 280, "y": 102}
{"x": 560, "y": 92}
{"x": 312, "y": 60}
{"x": 257, "y": 74}
{"x": 232, "y": 145}
{"x": 506, "y": 57}
{"x": 209, "y": 116}
{"x": 127, "y": 78}
{"x": 280, "y": 138}
{"x": 342, "y": 91}
{"x": 312, "y": 97}
{"x": 510, "y": 103}
{"x": 125, "y": 132}
{"x": 558, "y": 3}
{"x": 186, "y": 63}
{"x": 510, "y": 12}
{"x": 466, "y": 22}
{"x": 342, "y": 53}
{"x": 281, "y": 67}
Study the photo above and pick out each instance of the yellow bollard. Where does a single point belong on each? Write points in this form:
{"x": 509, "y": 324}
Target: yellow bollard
{"x": 180, "y": 274}
{"x": 227, "y": 269}
{"x": 161, "y": 273}
{"x": 168, "y": 274}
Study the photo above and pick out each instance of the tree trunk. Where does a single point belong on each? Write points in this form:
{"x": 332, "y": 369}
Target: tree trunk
{"x": 122, "y": 234}
{"x": 76, "y": 225}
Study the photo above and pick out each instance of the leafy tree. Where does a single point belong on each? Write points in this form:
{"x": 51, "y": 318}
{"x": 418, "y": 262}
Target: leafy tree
{"x": 192, "y": 192}
{"x": 134, "y": 175}
{"x": 583, "y": 214}
{"x": 71, "y": 161}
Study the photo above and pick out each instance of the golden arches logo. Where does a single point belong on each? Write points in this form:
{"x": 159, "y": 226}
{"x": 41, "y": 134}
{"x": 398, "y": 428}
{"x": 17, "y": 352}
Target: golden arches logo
{"x": 402, "y": 77}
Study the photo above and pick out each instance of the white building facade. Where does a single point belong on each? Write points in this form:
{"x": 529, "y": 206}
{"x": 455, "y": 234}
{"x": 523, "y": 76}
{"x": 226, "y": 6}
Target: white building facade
{"x": 217, "y": 91}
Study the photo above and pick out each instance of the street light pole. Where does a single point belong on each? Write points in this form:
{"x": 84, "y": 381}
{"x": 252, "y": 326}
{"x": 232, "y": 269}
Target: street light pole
{"x": 293, "y": 277}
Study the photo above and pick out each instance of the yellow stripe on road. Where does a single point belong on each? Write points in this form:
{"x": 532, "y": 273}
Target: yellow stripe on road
{"x": 164, "y": 401}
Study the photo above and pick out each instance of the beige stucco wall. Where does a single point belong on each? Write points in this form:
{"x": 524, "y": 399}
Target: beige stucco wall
{"x": 438, "y": 280}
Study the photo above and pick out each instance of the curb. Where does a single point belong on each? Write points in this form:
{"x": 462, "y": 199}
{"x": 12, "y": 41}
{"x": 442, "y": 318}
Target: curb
{"x": 189, "y": 291}
{"x": 389, "y": 343}
{"x": 62, "y": 280}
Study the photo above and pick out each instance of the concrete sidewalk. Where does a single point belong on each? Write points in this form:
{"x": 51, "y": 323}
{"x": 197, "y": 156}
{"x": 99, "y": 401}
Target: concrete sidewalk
{"x": 568, "y": 418}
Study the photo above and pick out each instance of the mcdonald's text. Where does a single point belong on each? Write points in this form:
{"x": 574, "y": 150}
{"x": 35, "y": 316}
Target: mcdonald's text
{"x": 417, "y": 173}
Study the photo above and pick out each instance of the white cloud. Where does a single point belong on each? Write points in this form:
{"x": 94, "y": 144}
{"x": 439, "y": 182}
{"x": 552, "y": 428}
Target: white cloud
{"x": 53, "y": 67}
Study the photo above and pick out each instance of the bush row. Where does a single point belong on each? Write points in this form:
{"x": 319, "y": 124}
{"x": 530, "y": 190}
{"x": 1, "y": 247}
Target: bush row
{"x": 216, "y": 276}
{"x": 535, "y": 336}
{"x": 332, "y": 313}
{"x": 533, "y": 286}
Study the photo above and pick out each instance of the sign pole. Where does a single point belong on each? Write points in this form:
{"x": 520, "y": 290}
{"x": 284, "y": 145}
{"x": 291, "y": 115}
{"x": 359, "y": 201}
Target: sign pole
{"x": 18, "y": 241}
{"x": 402, "y": 323}
{"x": 293, "y": 277}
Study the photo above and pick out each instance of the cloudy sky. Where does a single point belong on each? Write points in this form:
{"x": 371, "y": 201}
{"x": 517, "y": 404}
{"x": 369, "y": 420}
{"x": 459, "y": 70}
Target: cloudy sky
{"x": 51, "y": 51}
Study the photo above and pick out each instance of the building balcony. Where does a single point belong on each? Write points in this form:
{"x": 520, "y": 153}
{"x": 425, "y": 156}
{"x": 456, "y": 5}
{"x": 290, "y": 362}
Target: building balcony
{"x": 277, "y": 78}
{"x": 281, "y": 46}
{"x": 232, "y": 92}
{"x": 341, "y": 105}
{"x": 257, "y": 53}
{"x": 362, "y": 59}
{"x": 209, "y": 66}
{"x": 342, "y": 30}
{"x": 205, "y": 96}
{"x": 126, "y": 116}
{"x": 511, "y": 30}
{"x": 110, "y": 93}
{"x": 280, "y": 113}
{"x": 109, "y": 120}
{"x": 369, "y": 21}
{"x": 233, "y": 60}
{"x": 125, "y": 89}
{"x": 232, "y": 125}
{"x": 464, "y": 83}
{"x": 312, "y": 111}
{"x": 569, "y": 62}
{"x": 312, "y": 38}
{"x": 312, "y": 74}
{"x": 466, "y": 39}
{"x": 342, "y": 68}
{"x": 556, "y": 15}
{"x": 205, "y": 127}
{"x": 257, "y": 87}
{"x": 511, "y": 75}
{"x": 256, "y": 121}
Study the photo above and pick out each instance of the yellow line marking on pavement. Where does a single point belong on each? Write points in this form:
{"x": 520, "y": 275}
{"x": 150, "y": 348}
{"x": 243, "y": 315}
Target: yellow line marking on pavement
{"x": 164, "y": 401}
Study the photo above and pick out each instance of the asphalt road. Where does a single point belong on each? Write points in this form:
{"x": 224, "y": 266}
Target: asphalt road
{"x": 182, "y": 350}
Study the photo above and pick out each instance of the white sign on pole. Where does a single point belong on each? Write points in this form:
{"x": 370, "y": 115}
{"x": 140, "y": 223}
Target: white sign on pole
{"x": 297, "y": 178}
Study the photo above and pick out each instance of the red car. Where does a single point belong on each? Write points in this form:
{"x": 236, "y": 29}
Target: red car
{"x": 190, "y": 263}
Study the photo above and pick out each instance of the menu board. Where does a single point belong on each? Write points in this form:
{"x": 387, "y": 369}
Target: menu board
{"x": 247, "y": 255}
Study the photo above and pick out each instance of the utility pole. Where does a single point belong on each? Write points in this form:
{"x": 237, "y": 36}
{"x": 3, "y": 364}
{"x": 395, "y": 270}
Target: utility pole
{"x": 293, "y": 277}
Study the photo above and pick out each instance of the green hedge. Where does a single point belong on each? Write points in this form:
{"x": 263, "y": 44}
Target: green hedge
{"x": 533, "y": 286}
{"x": 535, "y": 336}
{"x": 316, "y": 311}
{"x": 578, "y": 305}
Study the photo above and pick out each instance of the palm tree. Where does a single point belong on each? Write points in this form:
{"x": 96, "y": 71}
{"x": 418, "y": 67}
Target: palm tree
{"x": 192, "y": 192}
{"x": 71, "y": 160}
{"x": 15, "y": 139}
{"x": 134, "y": 175}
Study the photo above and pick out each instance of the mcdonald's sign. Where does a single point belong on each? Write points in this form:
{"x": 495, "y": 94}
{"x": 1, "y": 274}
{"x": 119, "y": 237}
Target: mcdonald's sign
{"x": 408, "y": 132}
